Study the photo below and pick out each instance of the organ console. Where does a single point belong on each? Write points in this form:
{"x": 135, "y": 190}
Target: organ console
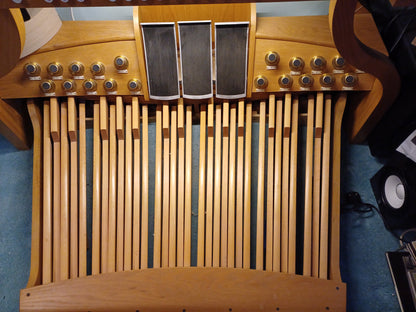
{"x": 190, "y": 159}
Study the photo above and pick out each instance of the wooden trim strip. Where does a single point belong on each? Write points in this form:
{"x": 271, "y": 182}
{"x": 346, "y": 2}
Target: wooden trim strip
{"x": 128, "y": 194}
{"x": 173, "y": 186}
{"x": 165, "y": 194}
{"x": 104, "y": 125}
{"x": 209, "y": 185}
{"x": 136, "y": 184}
{"x": 120, "y": 183}
{"x": 145, "y": 187}
{"x": 112, "y": 193}
{"x": 181, "y": 184}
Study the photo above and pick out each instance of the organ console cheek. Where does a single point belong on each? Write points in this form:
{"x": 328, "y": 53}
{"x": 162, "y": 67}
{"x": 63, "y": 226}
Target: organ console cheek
{"x": 203, "y": 145}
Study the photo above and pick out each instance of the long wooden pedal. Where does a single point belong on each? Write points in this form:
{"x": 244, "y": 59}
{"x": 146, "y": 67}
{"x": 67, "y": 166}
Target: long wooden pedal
{"x": 188, "y": 187}
{"x": 135, "y": 128}
{"x": 239, "y": 188}
{"x": 82, "y": 185}
{"x": 232, "y": 187}
{"x": 260, "y": 188}
{"x": 166, "y": 181}
{"x": 277, "y": 204}
{"x": 326, "y": 150}
{"x": 96, "y": 193}
{"x": 247, "y": 188}
{"x": 73, "y": 139}
{"x": 112, "y": 192}
{"x": 224, "y": 185}
{"x": 293, "y": 187}
{"x": 47, "y": 197}
{"x": 64, "y": 193}
{"x": 128, "y": 194}
{"x": 145, "y": 187}
{"x": 316, "y": 192}
{"x": 173, "y": 185}
{"x": 120, "y": 131}
{"x": 307, "y": 237}
{"x": 158, "y": 191}
{"x": 285, "y": 183}
{"x": 104, "y": 133}
{"x": 270, "y": 184}
{"x": 217, "y": 189}
{"x": 181, "y": 184}
{"x": 209, "y": 185}
{"x": 201, "y": 191}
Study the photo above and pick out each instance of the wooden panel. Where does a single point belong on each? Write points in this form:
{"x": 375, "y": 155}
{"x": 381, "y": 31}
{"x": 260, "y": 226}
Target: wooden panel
{"x": 16, "y": 85}
{"x": 78, "y": 33}
{"x": 286, "y": 49}
{"x": 180, "y": 288}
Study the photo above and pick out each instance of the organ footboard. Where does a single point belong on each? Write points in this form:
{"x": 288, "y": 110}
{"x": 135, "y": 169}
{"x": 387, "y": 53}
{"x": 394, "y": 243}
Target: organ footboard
{"x": 189, "y": 160}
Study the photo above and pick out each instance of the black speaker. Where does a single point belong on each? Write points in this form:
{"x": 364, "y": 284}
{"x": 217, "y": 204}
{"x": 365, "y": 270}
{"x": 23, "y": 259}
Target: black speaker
{"x": 394, "y": 187}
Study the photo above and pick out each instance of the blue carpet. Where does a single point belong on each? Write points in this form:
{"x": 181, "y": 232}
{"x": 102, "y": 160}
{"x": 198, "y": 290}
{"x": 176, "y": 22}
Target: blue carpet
{"x": 364, "y": 240}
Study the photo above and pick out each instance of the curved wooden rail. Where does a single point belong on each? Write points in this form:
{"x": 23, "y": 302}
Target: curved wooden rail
{"x": 364, "y": 116}
{"x": 12, "y": 36}
{"x": 187, "y": 289}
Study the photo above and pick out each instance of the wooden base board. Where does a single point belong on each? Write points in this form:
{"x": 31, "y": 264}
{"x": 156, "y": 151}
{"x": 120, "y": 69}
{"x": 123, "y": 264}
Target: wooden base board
{"x": 190, "y": 289}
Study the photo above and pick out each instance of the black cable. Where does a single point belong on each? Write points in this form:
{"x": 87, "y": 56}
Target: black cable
{"x": 354, "y": 203}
